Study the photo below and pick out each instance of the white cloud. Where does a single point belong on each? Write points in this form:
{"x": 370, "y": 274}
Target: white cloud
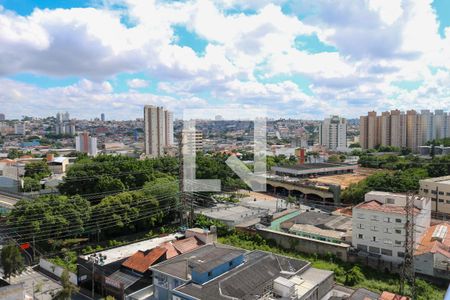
{"x": 137, "y": 83}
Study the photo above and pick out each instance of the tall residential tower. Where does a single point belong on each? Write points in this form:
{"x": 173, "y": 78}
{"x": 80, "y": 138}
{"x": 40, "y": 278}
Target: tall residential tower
{"x": 158, "y": 130}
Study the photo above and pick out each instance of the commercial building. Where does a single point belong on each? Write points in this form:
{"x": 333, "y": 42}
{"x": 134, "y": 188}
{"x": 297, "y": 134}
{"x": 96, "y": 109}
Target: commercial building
{"x": 86, "y": 144}
{"x": 378, "y": 227}
{"x": 333, "y": 133}
{"x": 158, "y": 130}
{"x": 397, "y": 129}
{"x": 314, "y": 169}
{"x": 432, "y": 256}
{"x": 438, "y": 190}
{"x": 217, "y": 271}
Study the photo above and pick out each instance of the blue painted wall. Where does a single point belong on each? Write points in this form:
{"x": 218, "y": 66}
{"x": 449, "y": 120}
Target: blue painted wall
{"x": 201, "y": 278}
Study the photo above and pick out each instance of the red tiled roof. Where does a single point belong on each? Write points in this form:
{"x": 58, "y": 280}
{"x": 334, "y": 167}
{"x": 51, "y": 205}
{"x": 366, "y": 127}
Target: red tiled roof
{"x": 171, "y": 251}
{"x": 387, "y": 208}
{"x": 391, "y": 296}
{"x": 186, "y": 245}
{"x": 427, "y": 244}
{"x": 141, "y": 261}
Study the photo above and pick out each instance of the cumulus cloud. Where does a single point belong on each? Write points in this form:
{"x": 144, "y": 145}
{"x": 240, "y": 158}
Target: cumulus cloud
{"x": 137, "y": 83}
{"x": 377, "y": 42}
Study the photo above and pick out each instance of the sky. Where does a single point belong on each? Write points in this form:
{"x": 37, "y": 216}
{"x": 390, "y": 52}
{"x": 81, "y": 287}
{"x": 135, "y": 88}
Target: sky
{"x": 298, "y": 59}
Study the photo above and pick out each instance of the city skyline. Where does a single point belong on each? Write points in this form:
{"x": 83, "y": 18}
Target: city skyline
{"x": 365, "y": 55}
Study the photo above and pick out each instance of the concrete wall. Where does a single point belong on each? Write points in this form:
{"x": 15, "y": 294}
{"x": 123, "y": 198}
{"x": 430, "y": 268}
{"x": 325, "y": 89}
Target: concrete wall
{"x": 305, "y": 245}
{"x": 56, "y": 270}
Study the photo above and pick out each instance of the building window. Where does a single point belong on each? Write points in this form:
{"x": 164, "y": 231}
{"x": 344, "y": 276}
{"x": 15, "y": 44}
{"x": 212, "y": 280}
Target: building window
{"x": 209, "y": 274}
{"x": 447, "y": 194}
{"x": 386, "y": 252}
{"x": 387, "y": 241}
{"x": 374, "y": 250}
{"x": 360, "y": 216}
{"x": 230, "y": 263}
{"x": 401, "y": 254}
{"x": 374, "y": 239}
{"x": 374, "y": 218}
{"x": 433, "y": 199}
{"x": 361, "y": 247}
{"x": 387, "y": 219}
{"x": 374, "y": 228}
{"x": 398, "y": 243}
{"x": 360, "y": 236}
{"x": 448, "y": 201}
{"x": 361, "y": 226}
{"x": 441, "y": 193}
{"x": 425, "y": 190}
{"x": 441, "y": 200}
{"x": 398, "y": 220}
{"x": 434, "y": 192}
{"x": 387, "y": 230}
{"x": 398, "y": 231}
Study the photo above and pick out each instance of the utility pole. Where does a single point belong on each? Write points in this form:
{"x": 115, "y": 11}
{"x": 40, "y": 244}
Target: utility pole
{"x": 408, "y": 272}
{"x": 182, "y": 206}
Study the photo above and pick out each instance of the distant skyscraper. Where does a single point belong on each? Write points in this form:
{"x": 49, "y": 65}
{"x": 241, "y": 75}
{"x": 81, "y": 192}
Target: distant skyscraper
{"x": 158, "y": 130}
{"x": 2, "y": 117}
{"x": 333, "y": 133}
{"x": 65, "y": 117}
{"x": 102, "y": 116}
{"x": 86, "y": 144}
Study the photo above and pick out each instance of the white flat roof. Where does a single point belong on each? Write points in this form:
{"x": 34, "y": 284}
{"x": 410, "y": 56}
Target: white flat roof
{"x": 119, "y": 253}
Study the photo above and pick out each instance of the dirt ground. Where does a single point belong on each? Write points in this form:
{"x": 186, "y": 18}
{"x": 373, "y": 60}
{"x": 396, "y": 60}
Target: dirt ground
{"x": 344, "y": 180}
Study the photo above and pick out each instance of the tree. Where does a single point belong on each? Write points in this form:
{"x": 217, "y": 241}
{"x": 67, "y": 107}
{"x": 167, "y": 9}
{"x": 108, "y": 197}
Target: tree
{"x": 354, "y": 276}
{"x": 68, "y": 288}
{"x": 31, "y": 184}
{"x": 11, "y": 260}
{"x": 334, "y": 158}
{"x": 37, "y": 170}
{"x": 58, "y": 216}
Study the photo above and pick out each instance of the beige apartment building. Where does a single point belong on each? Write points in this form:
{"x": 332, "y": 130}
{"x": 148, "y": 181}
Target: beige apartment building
{"x": 438, "y": 190}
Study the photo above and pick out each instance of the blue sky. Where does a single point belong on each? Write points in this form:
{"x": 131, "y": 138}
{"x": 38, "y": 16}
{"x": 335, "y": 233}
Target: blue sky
{"x": 299, "y": 59}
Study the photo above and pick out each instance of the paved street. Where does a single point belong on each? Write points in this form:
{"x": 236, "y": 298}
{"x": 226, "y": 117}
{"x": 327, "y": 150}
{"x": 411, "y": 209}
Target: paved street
{"x": 43, "y": 286}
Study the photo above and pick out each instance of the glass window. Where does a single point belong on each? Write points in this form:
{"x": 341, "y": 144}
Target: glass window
{"x": 361, "y": 247}
{"x": 360, "y": 236}
{"x": 386, "y": 252}
{"x": 398, "y": 220}
{"x": 441, "y": 193}
{"x": 374, "y": 250}
{"x": 387, "y": 241}
{"x": 401, "y": 254}
{"x": 398, "y": 231}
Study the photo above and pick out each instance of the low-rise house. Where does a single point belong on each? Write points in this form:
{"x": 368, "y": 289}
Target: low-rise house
{"x": 432, "y": 256}
{"x": 378, "y": 228}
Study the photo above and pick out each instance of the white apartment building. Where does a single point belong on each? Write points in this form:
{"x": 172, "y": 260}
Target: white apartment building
{"x": 438, "y": 190}
{"x": 86, "y": 144}
{"x": 20, "y": 128}
{"x": 333, "y": 133}
{"x": 158, "y": 130}
{"x": 379, "y": 224}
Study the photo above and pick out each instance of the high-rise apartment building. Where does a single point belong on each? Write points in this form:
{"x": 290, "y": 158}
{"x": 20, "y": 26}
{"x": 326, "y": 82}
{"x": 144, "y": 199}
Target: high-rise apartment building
{"x": 102, "y": 117}
{"x": 2, "y": 117}
{"x": 413, "y": 136}
{"x": 86, "y": 144}
{"x": 333, "y": 133}
{"x": 158, "y": 130}
{"x": 397, "y": 129}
